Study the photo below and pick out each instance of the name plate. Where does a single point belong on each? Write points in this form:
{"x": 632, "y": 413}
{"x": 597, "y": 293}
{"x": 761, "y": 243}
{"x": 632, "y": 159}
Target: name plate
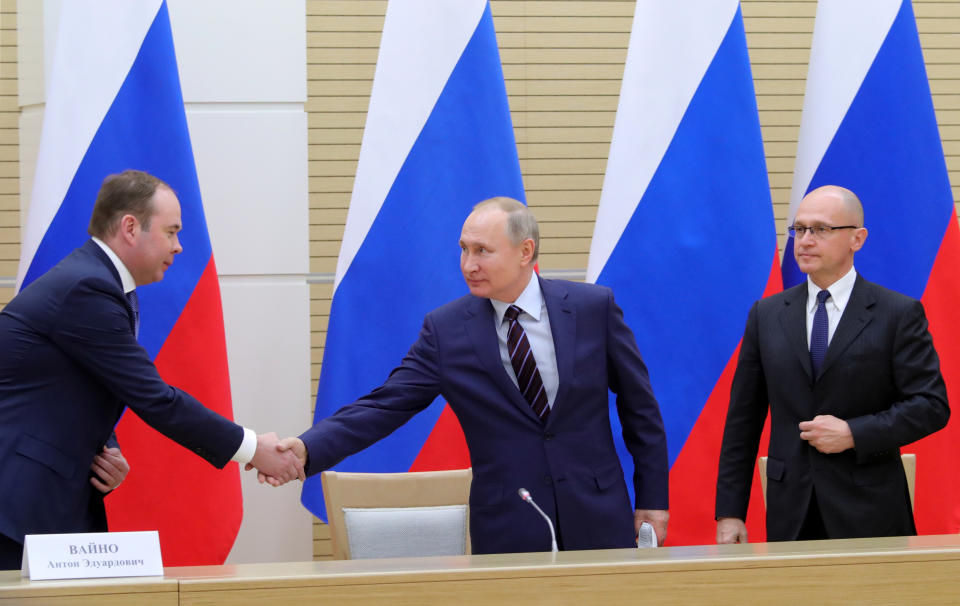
{"x": 91, "y": 555}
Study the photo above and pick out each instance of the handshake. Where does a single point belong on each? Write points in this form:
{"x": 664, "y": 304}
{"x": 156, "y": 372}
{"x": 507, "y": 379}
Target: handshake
{"x": 278, "y": 461}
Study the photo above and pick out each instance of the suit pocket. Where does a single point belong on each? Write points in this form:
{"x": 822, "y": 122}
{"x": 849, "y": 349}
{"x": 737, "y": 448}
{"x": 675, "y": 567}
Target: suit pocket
{"x": 48, "y": 455}
{"x": 775, "y": 469}
{"x": 485, "y": 494}
{"x": 606, "y": 478}
{"x": 875, "y": 473}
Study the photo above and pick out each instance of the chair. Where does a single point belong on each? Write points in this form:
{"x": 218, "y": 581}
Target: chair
{"x": 909, "y": 468}
{"x": 382, "y": 515}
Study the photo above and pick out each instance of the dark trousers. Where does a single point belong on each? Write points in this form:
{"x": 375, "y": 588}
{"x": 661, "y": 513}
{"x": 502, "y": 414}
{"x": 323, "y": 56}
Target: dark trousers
{"x": 11, "y": 553}
{"x": 813, "y": 528}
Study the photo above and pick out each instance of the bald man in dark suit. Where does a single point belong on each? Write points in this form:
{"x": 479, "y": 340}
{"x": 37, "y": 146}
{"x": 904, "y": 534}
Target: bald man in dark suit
{"x": 849, "y": 373}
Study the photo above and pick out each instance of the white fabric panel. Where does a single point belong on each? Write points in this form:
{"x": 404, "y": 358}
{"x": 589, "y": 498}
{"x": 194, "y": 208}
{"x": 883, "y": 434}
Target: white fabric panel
{"x": 846, "y": 37}
{"x": 241, "y": 50}
{"x": 252, "y": 166}
{"x": 388, "y": 532}
{"x": 671, "y": 47}
{"x": 417, "y": 56}
{"x": 267, "y": 323}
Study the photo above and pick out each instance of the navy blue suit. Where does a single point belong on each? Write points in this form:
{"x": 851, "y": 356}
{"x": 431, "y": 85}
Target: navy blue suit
{"x": 69, "y": 362}
{"x": 568, "y": 463}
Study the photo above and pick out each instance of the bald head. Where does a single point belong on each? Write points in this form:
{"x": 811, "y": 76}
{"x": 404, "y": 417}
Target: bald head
{"x": 825, "y": 252}
{"x": 851, "y": 207}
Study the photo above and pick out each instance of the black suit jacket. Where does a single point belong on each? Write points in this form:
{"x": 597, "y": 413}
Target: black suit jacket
{"x": 881, "y": 374}
{"x": 69, "y": 363}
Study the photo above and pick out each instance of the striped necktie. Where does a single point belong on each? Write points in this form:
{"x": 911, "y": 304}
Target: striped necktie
{"x": 134, "y": 303}
{"x": 525, "y": 366}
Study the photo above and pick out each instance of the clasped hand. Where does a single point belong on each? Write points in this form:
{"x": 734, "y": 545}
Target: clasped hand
{"x": 278, "y": 461}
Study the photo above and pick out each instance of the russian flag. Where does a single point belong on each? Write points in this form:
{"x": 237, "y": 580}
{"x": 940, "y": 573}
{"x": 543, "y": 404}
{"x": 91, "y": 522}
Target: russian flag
{"x": 114, "y": 103}
{"x": 438, "y": 139}
{"x": 869, "y": 125}
{"x": 685, "y": 234}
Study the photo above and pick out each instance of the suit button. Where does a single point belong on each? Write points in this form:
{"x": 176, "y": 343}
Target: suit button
{"x": 547, "y": 437}
{"x": 547, "y": 480}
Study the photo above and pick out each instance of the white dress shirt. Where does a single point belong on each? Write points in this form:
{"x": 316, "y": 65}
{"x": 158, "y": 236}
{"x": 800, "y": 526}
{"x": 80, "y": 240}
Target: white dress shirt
{"x": 839, "y": 296}
{"x": 248, "y": 447}
{"x": 536, "y": 323}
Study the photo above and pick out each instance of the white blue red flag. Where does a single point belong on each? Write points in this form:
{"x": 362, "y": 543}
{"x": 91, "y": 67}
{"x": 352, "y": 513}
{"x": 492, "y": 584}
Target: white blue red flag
{"x": 685, "y": 234}
{"x": 114, "y": 103}
{"x": 438, "y": 139}
{"x": 869, "y": 125}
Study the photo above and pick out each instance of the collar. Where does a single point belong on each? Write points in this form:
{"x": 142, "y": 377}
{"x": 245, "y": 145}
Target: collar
{"x": 839, "y": 291}
{"x": 126, "y": 278}
{"x": 529, "y": 301}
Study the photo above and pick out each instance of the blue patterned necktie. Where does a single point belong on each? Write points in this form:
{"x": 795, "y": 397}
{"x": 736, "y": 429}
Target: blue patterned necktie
{"x": 820, "y": 333}
{"x": 135, "y": 307}
{"x": 525, "y": 366}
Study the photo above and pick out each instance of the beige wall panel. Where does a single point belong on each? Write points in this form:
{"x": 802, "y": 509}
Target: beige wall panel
{"x": 9, "y": 151}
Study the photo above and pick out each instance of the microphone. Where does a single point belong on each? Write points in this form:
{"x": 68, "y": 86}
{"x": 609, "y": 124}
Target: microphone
{"x": 525, "y": 495}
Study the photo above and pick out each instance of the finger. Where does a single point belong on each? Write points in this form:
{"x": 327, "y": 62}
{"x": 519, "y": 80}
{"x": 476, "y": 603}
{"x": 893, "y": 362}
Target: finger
{"x": 248, "y": 467}
{"x": 106, "y": 465}
{"x": 100, "y": 485}
{"x": 111, "y": 453}
{"x": 102, "y": 473}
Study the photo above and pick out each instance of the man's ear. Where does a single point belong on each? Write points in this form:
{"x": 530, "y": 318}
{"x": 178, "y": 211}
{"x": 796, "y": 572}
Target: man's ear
{"x": 527, "y": 248}
{"x": 129, "y": 229}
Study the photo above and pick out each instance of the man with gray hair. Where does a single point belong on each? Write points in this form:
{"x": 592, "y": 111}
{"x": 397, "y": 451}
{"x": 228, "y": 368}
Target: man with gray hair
{"x": 526, "y": 364}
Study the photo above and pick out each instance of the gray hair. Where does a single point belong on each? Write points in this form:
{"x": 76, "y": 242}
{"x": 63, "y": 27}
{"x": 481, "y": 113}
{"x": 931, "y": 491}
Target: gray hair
{"x": 521, "y": 224}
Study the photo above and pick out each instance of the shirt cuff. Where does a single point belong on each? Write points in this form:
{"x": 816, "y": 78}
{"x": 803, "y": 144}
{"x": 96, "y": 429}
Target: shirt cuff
{"x": 248, "y": 447}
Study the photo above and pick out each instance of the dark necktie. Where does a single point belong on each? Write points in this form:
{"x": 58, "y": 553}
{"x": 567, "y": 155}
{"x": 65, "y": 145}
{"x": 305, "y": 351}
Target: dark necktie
{"x": 525, "y": 366}
{"x": 819, "y": 334}
{"x": 135, "y": 307}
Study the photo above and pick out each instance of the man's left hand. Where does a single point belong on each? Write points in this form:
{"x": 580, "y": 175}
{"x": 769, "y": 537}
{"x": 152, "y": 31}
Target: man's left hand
{"x": 109, "y": 469}
{"x": 827, "y": 433}
{"x": 656, "y": 517}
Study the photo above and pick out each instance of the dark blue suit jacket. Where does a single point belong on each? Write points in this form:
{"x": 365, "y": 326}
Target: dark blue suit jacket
{"x": 69, "y": 362}
{"x": 569, "y": 464}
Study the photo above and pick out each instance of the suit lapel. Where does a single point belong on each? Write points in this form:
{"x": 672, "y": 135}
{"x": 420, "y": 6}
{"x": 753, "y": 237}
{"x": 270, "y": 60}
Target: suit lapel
{"x": 563, "y": 325}
{"x": 855, "y": 318}
{"x": 483, "y": 335}
{"x": 793, "y": 320}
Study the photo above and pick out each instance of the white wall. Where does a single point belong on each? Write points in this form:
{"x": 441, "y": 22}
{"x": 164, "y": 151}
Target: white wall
{"x": 243, "y": 73}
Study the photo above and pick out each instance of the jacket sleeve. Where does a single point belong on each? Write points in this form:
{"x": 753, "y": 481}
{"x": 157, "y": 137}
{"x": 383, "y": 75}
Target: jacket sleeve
{"x": 94, "y": 330}
{"x": 638, "y": 411}
{"x": 745, "y": 418}
{"x": 921, "y": 406}
{"x": 410, "y": 388}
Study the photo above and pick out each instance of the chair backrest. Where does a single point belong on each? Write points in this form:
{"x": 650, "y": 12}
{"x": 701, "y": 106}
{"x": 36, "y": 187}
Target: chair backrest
{"x": 909, "y": 468}
{"x": 398, "y": 514}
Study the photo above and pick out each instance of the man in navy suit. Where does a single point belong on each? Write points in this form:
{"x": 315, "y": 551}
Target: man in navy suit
{"x": 560, "y": 446}
{"x": 840, "y": 410}
{"x": 70, "y": 362}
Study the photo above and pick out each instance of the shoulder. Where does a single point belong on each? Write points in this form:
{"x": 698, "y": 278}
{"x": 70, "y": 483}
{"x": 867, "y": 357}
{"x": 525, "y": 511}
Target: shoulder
{"x": 574, "y": 291}
{"x": 455, "y": 310}
{"x": 882, "y": 293}
{"x": 791, "y": 296}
